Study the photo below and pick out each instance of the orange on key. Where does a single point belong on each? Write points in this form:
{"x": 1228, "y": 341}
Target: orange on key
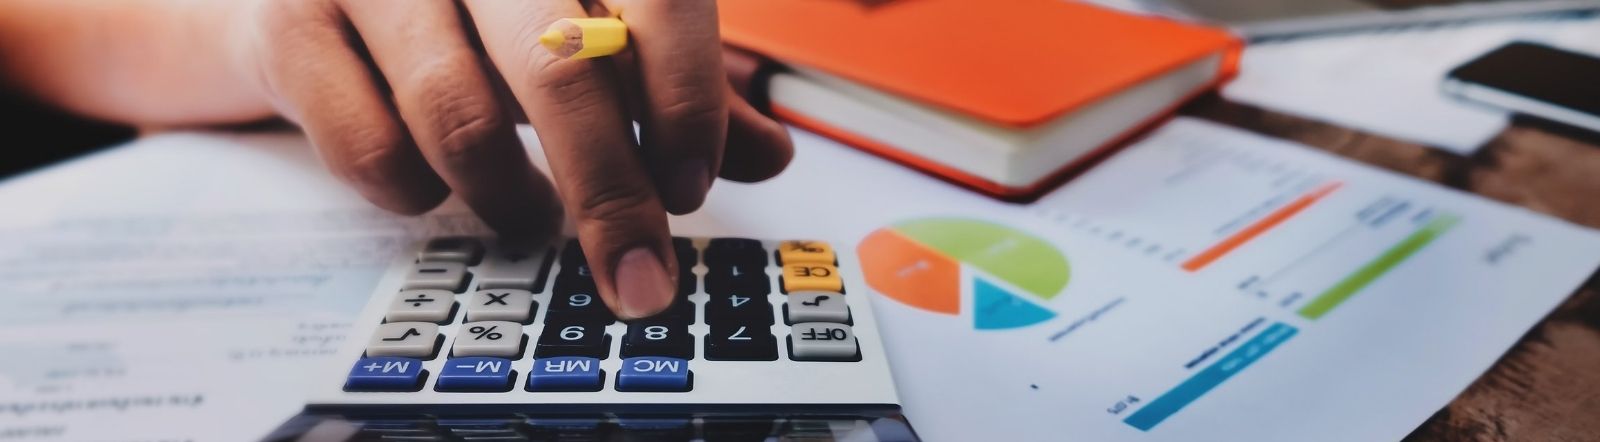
{"x": 809, "y": 276}
{"x": 797, "y": 252}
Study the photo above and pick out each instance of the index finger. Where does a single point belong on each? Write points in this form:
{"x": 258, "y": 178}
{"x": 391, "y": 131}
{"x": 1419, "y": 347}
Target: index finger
{"x": 577, "y": 110}
{"x": 685, "y": 118}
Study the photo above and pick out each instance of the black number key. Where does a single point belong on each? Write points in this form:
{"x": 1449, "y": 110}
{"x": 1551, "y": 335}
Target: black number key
{"x": 572, "y": 254}
{"x": 578, "y": 304}
{"x": 739, "y": 308}
{"x": 740, "y": 279}
{"x": 658, "y": 338}
{"x": 681, "y": 312}
{"x": 687, "y": 257}
{"x": 742, "y": 342}
{"x": 722, "y": 252}
{"x": 573, "y": 339}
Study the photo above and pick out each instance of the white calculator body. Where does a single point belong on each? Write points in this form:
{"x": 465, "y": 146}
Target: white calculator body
{"x": 762, "y": 331}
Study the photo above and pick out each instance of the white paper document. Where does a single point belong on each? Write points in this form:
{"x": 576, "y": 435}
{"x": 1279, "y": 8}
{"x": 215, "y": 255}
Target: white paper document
{"x": 1204, "y": 284}
{"x": 1388, "y": 82}
{"x": 182, "y": 288}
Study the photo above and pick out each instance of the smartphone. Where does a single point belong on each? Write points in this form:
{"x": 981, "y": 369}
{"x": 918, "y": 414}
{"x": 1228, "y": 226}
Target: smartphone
{"x": 1533, "y": 79}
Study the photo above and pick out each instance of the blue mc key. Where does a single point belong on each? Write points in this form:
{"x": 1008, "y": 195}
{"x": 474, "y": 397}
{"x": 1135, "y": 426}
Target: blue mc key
{"x": 385, "y": 374}
{"x": 475, "y": 374}
{"x": 653, "y": 373}
{"x": 565, "y": 373}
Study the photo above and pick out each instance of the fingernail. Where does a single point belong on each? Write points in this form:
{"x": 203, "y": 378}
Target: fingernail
{"x": 643, "y": 285}
{"x": 687, "y": 185}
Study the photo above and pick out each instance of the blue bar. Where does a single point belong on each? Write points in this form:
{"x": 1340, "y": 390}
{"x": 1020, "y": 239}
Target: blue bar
{"x": 1209, "y": 378}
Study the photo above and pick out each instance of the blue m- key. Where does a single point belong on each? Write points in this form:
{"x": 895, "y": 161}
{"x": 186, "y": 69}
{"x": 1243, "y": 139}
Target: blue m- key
{"x": 475, "y": 374}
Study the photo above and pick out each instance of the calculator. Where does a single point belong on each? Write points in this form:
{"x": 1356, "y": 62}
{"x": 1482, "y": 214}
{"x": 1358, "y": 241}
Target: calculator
{"x": 466, "y": 337}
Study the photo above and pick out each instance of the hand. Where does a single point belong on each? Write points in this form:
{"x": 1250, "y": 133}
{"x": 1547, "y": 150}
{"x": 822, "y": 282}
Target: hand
{"x": 410, "y": 100}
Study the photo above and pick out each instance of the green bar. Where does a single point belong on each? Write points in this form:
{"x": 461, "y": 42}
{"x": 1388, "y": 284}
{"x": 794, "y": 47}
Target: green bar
{"x": 1358, "y": 280}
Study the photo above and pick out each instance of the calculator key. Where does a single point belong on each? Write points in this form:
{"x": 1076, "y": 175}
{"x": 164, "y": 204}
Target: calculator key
{"x": 421, "y": 306}
{"x": 566, "y": 373}
{"x": 735, "y": 252}
{"x": 500, "y": 305}
{"x": 385, "y": 374}
{"x": 684, "y": 248}
{"x": 450, "y": 276}
{"x": 739, "y": 308}
{"x": 821, "y": 277}
{"x": 511, "y": 269}
{"x": 573, "y": 339}
{"x": 822, "y": 341}
{"x": 687, "y": 283}
{"x": 452, "y": 249}
{"x": 749, "y": 280}
{"x": 658, "y": 338}
{"x": 813, "y": 252}
{"x": 682, "y": 311}
{"x": 572, "y": 254}
{"x": 475, "y": 374}
{"x": 488, "y": 338}
{"x": 741, "y": 342}
{"x": 818, "y": 307}
{"x": 654, "y": 373}
{"x": 410, "y": 339}
{"x": 578, "y": 305}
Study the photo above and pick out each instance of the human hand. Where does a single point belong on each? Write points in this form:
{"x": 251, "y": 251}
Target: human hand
{"x": 410, "y": 100}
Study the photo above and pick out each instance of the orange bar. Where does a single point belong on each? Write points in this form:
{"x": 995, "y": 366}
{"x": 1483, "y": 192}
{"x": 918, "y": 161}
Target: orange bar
{"x": 1271, "y": 220}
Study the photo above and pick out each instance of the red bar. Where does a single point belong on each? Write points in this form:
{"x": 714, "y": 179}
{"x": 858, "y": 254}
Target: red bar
{"x": 1262, "y": 226}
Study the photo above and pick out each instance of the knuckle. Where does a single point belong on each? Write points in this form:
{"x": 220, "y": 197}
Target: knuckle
{"x": 462, "y": 114}
{"x": 694, "y": 109}
{"x": 467, "y": 133}
{"x": 370, "y": 155}
{"x": 615, "y": 202}
{"x": 567, "y": 85}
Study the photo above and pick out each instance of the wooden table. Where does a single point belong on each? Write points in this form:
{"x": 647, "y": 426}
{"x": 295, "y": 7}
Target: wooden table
{"x": 1547, "y": 387}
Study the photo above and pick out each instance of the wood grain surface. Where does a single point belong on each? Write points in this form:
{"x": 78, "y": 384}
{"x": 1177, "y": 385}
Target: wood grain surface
{"x": 1547, "y": 387}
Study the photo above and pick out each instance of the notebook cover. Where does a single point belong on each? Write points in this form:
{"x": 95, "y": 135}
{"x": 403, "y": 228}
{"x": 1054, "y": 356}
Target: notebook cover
{"x": 1014, "y": 63}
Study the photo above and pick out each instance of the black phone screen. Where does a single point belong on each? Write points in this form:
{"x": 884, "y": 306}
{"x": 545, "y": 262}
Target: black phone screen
{"x": 1563, "y": 78}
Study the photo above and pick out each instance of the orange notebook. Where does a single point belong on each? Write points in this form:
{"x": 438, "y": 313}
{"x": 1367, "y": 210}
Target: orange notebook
{"x": 1008, "y": 97}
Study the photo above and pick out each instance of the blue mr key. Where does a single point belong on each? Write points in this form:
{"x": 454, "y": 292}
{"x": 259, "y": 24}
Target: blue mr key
{"x": 385, "y": 374}
{"x": 654, "y": 373}
{"x": 565, "y": 373}
{"x": 475, "y": 374}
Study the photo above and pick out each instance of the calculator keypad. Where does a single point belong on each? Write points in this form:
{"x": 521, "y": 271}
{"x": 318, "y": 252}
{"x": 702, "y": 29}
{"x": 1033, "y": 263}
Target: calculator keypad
{"x": 511, "y": 268}
{"x": 489, "y": 338}
{"x": 822, "y": 341}
{"x": 452, "y": 249}
{"x": 449, "y": 276}
{"x": 421, "y": 306}
{"x": 573, "y": 339}
{"x": 501, "y": 322}
{"x": 817, "y": 307}
{"x": 409, "y": 339}
{"x": 501, "y": 305}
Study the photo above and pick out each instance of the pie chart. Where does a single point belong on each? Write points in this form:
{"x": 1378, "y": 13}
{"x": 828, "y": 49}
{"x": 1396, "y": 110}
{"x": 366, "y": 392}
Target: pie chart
{"x": 926, "y": 264}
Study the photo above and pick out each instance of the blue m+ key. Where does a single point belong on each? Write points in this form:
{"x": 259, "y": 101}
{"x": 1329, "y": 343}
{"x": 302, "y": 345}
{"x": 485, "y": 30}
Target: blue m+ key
{"x": 385, "y": 374}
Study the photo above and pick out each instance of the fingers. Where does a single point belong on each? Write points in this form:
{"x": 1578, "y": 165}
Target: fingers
{"x": 578, "y": 112}
{"x": 678, "y": 55}
{"x": 758, "y": 148}
{"x": 454, "y": 112}
{"x": 325, "y": 85}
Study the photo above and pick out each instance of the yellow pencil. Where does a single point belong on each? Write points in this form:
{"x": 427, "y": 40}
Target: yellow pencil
{"x": 585, "y": 37}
